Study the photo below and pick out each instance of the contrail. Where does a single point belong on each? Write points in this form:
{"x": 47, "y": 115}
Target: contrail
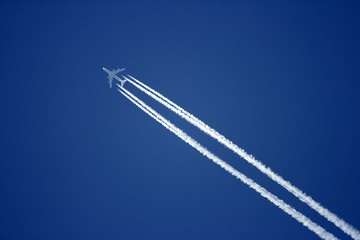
{"x": 322, "y": 233}
{"x": 340, "y": 223}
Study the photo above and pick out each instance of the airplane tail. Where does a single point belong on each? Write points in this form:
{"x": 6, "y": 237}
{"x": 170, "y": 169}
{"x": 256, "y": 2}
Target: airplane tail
{"x": 122, "y": 82}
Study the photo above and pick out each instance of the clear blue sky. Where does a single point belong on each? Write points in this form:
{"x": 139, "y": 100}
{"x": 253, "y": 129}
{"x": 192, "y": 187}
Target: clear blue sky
{"x": 79, "y": 161}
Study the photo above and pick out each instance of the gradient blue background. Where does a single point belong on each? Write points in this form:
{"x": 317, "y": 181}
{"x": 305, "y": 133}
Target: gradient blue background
{"x": 79, "y": 161}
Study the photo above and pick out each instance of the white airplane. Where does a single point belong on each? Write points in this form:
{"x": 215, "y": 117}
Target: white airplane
{"x": 112, "y": 75}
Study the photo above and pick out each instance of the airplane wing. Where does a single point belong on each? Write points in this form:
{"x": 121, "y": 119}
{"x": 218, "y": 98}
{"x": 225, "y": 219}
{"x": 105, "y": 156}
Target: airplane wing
{"x": 119, "y": 70}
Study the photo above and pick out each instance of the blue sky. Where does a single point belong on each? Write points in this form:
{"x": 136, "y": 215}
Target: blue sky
{"x": 79, "y": 161}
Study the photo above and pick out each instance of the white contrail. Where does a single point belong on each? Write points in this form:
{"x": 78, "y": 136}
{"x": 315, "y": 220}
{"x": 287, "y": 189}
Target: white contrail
{"x": 340, "y": 223}
{"x": 322, "y": 233}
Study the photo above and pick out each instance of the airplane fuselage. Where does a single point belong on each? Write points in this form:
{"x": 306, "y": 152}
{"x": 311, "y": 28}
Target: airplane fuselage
{"x": 112, "y": 75}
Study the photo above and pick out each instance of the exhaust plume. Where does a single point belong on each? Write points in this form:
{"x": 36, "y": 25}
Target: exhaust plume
{"x": 322, "y": 233}
{"x": 340, "y": 223}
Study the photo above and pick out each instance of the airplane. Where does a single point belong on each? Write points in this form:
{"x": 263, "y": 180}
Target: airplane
{"x": 112, "y": 75}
